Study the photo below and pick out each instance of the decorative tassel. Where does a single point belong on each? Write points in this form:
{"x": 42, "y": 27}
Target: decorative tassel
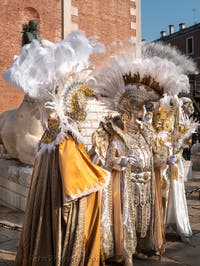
{"x": 174, "y": 171}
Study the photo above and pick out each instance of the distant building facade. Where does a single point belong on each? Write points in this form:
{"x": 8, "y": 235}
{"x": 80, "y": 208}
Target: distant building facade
{"x": 112, "y": 20}
{"x": 187, "y": 40}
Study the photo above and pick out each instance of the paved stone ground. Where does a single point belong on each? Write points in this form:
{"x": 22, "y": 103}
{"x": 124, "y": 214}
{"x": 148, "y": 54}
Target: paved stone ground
{"x": 177, "y": 253}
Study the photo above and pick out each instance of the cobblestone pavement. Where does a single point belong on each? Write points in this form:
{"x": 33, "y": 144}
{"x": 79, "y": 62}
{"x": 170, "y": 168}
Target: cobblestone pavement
{"x": 177, "y": 253}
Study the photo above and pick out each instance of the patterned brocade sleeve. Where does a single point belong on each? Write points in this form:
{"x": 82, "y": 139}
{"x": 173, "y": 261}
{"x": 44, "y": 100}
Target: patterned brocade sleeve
{"x": 115, "y": 155}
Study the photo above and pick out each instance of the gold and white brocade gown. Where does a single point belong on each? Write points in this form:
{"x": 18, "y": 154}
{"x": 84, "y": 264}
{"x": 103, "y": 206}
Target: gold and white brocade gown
{"x": 118, "y": 236}
{"x": 174, "y": 202}
{"x": 130, "y": 202}
{"x": 145, "y": 193}
{"x": 162, "y": 148}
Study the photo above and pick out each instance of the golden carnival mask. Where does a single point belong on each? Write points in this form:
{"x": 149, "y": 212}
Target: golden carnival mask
{"x": 78, "y": 103}
{"x": 163, "y": 119}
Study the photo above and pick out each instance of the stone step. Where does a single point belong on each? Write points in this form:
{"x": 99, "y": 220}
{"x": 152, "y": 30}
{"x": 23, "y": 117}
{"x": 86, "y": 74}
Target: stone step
{"x": 14, "y": 183}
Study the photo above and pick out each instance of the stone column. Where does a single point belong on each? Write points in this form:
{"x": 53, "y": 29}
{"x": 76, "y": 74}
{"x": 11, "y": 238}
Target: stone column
{"x": 68, "y": 12}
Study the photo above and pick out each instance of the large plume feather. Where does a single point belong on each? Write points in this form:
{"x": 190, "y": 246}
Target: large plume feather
{"x": 111, "y": 85}
{"x": 171, "y": 53}
{"x": 39, "y": 68}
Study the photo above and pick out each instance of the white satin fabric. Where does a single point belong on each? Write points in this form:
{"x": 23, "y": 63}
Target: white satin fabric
{"x": 177, "y": 214}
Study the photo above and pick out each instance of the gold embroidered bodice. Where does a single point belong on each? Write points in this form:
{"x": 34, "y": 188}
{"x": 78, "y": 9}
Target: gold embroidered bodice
{"x": 51, "y": 133}
{"x": 139, "y": 173}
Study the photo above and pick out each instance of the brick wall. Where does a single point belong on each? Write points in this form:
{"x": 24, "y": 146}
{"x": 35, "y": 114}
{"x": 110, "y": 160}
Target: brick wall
{"x": 13, "y": 15}
{"x": 111, "y": 21}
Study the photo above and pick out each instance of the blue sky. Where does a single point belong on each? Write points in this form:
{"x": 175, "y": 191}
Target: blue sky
{"x": 157, "y": 15}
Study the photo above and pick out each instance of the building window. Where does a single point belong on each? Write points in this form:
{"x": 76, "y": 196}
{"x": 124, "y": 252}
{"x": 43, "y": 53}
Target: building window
{"x": 189, "y": 45}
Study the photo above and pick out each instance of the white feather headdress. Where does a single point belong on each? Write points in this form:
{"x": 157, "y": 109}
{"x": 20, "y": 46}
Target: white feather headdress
{"x": 140, "y": 80}
{"x": 183, "y": 126}
{"x": 39, "y": 68}
{"x": 171, "y": 53}
{"x": 52, "y": 71}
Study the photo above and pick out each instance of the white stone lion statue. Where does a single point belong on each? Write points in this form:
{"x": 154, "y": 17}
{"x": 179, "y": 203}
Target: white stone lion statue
{"x": 21, "y": 130}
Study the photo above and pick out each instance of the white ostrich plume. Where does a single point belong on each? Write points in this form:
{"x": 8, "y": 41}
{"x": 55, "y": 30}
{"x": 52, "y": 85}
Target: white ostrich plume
{"x": 39, "y": 68}
{"x": 171, "y": 53}
{"x": 111, "y": 83}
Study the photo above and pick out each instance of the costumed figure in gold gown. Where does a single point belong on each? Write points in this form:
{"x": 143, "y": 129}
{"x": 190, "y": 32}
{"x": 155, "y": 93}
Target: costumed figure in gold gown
{"x": 111, "y": 149}
{"x": 163, "y": 123}
{"x": 173, "y": 130}
{"x": 178, "y": 133}
{"x": 124, "y": 87}
{"x": 62, "y": 218}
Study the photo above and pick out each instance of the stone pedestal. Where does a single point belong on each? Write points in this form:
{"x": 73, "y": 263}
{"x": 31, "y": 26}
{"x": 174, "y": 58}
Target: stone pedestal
{"x": 195, "y": 156}
{"x": 187, "y": 170}
{"x": 14, "y": 183}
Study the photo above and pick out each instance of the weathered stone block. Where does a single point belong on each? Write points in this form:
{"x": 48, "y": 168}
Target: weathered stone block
{"x": 14, "y": 183}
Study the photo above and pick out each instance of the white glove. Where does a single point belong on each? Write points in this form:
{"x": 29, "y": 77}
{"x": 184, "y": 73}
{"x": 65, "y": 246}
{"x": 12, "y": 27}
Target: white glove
{"x": 131, "y": 159}
{"x": 127, "y": 160}
{"x": 171, "y": 159}
{"x": 124, "y": 161}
